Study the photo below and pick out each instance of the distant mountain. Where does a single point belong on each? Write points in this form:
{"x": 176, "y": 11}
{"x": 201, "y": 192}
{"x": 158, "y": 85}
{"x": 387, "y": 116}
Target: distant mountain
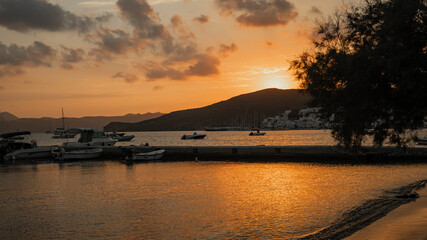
{"x": 5, "y": 116}
{"x": 45, "y": 124}
{"x": 245, "y": 111}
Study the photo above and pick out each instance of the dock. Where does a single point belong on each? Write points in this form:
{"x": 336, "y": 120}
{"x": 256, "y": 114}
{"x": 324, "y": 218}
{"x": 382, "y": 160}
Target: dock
{"x": 315, "y": 154}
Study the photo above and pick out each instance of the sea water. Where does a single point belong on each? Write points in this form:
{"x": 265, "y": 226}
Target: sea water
{"x": 186, "y": 200}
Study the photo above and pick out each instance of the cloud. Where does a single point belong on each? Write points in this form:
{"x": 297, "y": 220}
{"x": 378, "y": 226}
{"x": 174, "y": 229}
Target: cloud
{"x": 143, "y": 18}
{"x": 71, "y": 56}
{"x": 224, "y": 49}
{"x": 110, "y": 42}
{"x": 95, "y": 3}
{"x": 315, "y": 10}
{"x": 180, "y": 28}
{"x": 37, "y": 54}
{"x": 204, "y": 65}
{"x": 203, "y": 19}
{"x": 155, "y": 88}
{"x": 258, "y": 13}
{"x": 127, "y": 77}
{"x": 24, "y": 15}
{"x": 10, "y": 71}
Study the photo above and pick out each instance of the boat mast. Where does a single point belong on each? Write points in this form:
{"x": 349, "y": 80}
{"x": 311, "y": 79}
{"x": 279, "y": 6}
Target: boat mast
{"x": 63, "y": 120}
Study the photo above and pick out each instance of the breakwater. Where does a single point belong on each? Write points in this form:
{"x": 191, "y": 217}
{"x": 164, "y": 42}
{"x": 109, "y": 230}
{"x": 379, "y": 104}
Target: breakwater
{"x": 320, "y": 154}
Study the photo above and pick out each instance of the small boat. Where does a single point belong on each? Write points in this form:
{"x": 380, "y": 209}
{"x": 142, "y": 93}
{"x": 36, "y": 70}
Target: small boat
{"x": 84, "y": 154}
{"x": 194, "y": 136}
{"x": 89, "y": 138}
{"x": 257, "y": 133}
{"x": 9, "y": 143}
{"x": 148, "y": 156}
{"x": 121, "y": 137}
{"x": 30, "y": 153}
{"x": 61, "y": 132}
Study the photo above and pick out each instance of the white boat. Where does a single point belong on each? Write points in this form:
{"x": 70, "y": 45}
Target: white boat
{"x": 257, "y": 133}
{"x": 90, "y": 138}
{"x": 30, "y": 153}
{"x": 61, "y": 132}
{"x": 83, "y": 154}
{"x": 121, "y": 137}
{"x": 193, "y": 136}
{"x": 148, "y": 156}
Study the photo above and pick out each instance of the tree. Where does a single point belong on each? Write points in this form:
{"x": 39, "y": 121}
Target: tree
{"x": 367, "y": 69}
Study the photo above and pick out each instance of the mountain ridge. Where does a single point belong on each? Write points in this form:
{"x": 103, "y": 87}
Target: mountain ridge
{"x": 243, "y": 111}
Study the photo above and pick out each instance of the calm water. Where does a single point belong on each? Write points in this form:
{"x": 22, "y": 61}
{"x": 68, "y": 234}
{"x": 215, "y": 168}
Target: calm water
{"x": 226, "y": 138}
{"x": 185, "y": 200}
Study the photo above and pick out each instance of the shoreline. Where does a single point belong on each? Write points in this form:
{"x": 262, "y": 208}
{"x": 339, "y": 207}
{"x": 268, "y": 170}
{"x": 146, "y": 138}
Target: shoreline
{"x": 367, "y": 213}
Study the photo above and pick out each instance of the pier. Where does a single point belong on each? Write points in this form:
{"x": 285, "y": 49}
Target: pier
{"x": 315, "y": 154}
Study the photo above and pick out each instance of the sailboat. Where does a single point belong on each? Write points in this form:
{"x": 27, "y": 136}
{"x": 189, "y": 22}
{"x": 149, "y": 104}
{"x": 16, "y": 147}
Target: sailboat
{"x": 61, "y": 132}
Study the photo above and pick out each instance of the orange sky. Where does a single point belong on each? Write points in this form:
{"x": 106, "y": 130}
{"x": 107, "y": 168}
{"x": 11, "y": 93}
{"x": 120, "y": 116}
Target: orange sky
{"x": 108, "y": 57}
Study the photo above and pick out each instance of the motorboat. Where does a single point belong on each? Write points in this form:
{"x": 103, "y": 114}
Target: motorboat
{"x": 121, "y": 137}
{"x": 90, "y": 137}
{"x": 148, "y": 156}
{"x": 193, "y": 136}
{"x": 62, "y": 133}
{"x": 257, "y": 133}
{"x": 76, "y": 155}
{"x": 9, "y": 142}
{"x": 43, "y": 152}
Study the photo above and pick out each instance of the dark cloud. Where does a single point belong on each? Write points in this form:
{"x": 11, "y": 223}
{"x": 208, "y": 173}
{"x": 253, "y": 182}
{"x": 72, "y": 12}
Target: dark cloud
{"x": 205, "y": 65}
{"x": 180, "y": 28}
{"x": 70, "y": 55}
{"x": 258, "y": 13}
{"x": 111, "y": 42}
{"x": 224, "y": 49}
{"x": 155, "y": 88}
{"x": 24, "y": 15}
{"x": 34, "y": 55}
{"x": 145, "y": 21}
{"x": 315, "y": 10}
{"x": 201, "y": 19}
{"x": 127, "y": 77}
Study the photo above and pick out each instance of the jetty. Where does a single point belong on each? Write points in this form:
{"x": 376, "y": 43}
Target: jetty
{"x": 316, "y": 154}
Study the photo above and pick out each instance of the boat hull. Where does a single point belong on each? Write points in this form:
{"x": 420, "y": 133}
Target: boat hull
{"x": 31, "y": 153}
{"x": 148, "y": 156}
{"x": 90, "y": 144}
{"x": 86, "y": 154}
{"x": 199, "y": 136}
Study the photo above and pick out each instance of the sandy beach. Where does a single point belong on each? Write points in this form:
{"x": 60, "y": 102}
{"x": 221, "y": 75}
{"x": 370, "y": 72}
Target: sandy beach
{"x": 408, "y": 221}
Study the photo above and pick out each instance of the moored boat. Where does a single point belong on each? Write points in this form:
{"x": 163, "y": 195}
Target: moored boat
{"x": 257, "y": 133}
{"x": 148, "y": 156}
{"x": 193, "y": 136}
{"x": 30, "y": 153}
{"x": 82, "y": 154}
{"x": 89, "y": 138}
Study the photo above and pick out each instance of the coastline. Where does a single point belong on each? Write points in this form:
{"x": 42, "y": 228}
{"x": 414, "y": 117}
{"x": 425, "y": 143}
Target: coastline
{"x": 366, "y": 214}
{"x": 408, "y": 221}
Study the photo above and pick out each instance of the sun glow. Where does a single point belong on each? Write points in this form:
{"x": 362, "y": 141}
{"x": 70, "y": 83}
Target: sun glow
{"x": 281, "y": 82}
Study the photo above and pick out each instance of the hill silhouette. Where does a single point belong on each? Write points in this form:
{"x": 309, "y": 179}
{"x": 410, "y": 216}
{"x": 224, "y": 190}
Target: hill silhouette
{"x": 6, "y": 116}
{"x": 44, "y": 124}
{"x": 243, "y": 111}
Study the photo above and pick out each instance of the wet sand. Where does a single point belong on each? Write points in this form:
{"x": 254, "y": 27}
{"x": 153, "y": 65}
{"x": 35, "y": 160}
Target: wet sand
{"x": 408, "y": 221}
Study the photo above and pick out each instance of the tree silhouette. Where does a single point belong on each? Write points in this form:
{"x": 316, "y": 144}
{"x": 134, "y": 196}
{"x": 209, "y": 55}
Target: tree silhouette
{"x": 367, "y": 69}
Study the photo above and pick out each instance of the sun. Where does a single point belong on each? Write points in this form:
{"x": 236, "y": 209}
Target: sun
{"x": 280, "y": 82}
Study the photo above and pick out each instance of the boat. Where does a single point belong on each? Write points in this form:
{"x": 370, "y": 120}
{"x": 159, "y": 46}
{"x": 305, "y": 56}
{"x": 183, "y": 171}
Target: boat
{"x": 82, "y": 154}
{"x": 193, "y": 136}
{"x": 61, "y": 132}
{"x": 257, "y": 133}
{"x": 30, "y": 153}
{"x": 148, "y": 156}
{"x": 9, "y": 142}
{"x": 90, "y": 137}
{"x": 121, "y": 137}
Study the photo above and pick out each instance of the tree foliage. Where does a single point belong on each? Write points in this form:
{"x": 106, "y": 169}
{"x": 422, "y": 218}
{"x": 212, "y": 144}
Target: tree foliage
{"x": 367, "y": 69}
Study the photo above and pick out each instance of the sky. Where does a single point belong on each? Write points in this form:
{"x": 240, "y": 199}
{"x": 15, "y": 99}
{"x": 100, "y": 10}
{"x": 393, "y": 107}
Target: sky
{"x": 110, "y": 58}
